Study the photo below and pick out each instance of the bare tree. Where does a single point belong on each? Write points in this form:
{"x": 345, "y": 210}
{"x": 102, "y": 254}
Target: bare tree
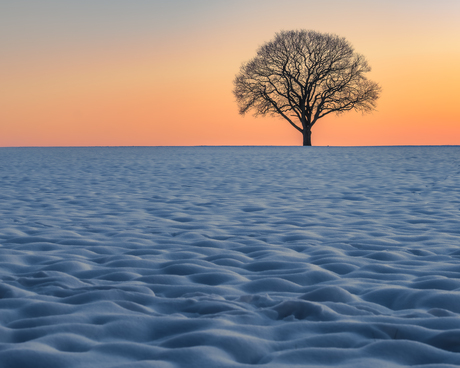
{"x": 304, "y": 76}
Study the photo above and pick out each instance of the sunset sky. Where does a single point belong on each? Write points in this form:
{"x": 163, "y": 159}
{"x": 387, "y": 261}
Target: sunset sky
{"x": 160, "y": 72}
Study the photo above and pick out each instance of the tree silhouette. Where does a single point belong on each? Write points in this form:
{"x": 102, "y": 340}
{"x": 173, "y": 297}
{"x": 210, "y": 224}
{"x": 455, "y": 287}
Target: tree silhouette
{"x": 304, "y": 76}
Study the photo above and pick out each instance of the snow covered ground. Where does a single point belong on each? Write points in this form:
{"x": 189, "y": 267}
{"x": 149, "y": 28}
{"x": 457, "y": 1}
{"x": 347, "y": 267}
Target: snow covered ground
{"x": 230, "y": 257}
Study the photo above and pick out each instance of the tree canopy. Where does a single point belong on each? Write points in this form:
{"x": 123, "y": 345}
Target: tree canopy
{"x": 303, "y": 76}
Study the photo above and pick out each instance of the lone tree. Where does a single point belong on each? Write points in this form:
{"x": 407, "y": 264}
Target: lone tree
{"x": 304, "y": 76}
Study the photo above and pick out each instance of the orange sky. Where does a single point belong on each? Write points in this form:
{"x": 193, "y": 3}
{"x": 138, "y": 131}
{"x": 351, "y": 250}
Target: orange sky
{"x": 110, "y": 73}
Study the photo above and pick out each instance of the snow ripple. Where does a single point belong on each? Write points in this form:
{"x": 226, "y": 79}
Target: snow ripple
{"x": 229, "y": 257}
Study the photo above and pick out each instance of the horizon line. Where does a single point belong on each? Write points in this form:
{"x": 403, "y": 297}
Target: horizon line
{"x": 247, "y": 145}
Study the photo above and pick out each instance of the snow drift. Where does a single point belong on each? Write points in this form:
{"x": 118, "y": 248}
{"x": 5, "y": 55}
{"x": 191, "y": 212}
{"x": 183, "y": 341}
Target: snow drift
{"x": 230, "y": 257}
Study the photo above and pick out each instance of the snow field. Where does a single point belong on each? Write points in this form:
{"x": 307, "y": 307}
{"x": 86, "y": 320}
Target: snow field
{"x": 230, "y": 257}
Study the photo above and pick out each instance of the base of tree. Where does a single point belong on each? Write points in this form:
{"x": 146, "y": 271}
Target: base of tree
{"x": 307, "y": 138}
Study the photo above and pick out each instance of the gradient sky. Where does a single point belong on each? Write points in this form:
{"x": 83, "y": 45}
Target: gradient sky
{"x": 160, "y": 72}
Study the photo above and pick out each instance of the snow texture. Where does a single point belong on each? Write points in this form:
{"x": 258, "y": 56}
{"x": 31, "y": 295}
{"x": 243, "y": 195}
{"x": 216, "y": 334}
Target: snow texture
{"x": 230, "y": 257}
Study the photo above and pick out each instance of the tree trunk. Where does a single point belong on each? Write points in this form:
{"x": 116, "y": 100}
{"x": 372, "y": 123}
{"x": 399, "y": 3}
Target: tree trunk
{"x": 307, "y": 137}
